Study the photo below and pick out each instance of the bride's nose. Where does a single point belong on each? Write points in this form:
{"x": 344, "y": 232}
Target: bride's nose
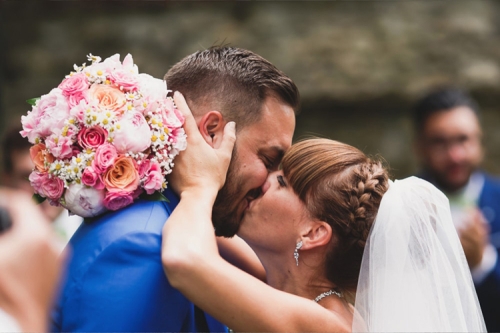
{"x": 267, "y": 183}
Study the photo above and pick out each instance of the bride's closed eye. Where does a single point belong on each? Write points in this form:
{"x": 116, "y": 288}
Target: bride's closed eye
{"x": 281, "y": 181}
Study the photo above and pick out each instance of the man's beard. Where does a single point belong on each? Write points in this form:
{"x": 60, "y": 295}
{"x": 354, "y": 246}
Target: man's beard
{"x": 225, "y": 211}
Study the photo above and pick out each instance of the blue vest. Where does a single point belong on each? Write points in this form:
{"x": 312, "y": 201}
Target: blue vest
{"x": 115, "y": 280}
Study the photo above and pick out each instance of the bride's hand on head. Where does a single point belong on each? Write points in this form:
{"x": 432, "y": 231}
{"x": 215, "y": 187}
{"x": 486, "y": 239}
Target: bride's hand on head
{"x": 200, "y": 167}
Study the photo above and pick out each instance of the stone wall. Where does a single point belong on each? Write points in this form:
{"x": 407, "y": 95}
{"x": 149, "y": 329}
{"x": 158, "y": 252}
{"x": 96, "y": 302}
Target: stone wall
{"x": 358, "y": 64}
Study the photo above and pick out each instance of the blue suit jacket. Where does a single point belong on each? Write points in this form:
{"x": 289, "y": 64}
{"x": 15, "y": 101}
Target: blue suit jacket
{"x": 488, "y": 291}
{"x": 115, "y": 280}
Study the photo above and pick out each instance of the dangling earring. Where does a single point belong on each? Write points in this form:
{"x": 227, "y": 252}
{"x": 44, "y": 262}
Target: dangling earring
{"x": 296, "y": 253}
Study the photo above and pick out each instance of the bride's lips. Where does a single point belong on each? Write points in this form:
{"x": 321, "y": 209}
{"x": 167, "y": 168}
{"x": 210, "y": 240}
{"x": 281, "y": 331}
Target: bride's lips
{"x": 250, "y": 198}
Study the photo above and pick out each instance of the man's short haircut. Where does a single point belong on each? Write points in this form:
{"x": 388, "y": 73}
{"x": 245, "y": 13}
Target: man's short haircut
{"x": 231, "y": 80}
{"x": 443, "y": 99}
{"x": 13, "y": 142}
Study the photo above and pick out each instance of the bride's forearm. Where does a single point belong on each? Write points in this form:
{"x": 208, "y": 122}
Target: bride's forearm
{"x": 188, "y": 235}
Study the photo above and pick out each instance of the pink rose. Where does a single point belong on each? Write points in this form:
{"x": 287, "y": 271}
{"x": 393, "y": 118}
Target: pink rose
{"x": 124, "y": 79}
{"x": 133, "y": 135}
{"x": 75, "y": 151}
{"x": 84, "y": 201}
{"x": 104, "y": 157}
{"x": 92, "y": 137}
{"x": 46, "y": 185}
{"x": 122, "y": 176}
{"x": 40, "y": 156}
{"x": 36, "y": 179}
{"x": 118, "y": 200}
{"x": 75, "y": 84}
{"x": 151, "y": 176}
{"x": 106, "y": 98}
{"x": 91, "y": 178}
{"x": 74, "y": 100}
{"x": 60, "y": 146}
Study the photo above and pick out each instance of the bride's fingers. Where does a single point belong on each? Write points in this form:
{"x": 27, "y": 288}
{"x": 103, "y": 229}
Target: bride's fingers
{"x": 226, "y": 148}
{"x": 189, "y": 122}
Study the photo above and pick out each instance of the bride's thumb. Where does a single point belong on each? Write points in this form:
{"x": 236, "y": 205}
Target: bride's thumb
{"x": 228, "y": 140}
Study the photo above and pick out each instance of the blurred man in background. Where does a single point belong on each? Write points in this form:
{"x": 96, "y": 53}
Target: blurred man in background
{"x": 449, "y": 149}
{"x": 17, "y": 166}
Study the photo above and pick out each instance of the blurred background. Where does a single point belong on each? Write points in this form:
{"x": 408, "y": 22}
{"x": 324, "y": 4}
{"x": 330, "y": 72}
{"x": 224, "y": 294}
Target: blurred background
{"x": 360, "y": 65}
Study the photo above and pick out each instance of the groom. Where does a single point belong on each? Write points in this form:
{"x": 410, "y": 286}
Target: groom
{"x": 115, "y": 280}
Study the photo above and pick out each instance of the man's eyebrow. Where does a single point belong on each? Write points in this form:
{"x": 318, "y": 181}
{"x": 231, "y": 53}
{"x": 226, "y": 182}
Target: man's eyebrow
{"x": 276, "y": 150}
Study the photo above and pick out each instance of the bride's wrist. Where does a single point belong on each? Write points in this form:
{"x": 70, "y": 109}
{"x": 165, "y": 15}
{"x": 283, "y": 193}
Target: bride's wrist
{"x": 200, "y": 193}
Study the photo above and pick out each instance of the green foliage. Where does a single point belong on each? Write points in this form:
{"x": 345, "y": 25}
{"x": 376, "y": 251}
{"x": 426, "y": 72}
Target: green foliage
{"x": 156, "y": 196}
{"x": 32, "y": 101}
{"x": 38, "y": 198}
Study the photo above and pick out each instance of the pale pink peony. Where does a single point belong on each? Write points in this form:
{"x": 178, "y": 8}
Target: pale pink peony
{"x": 78, "y": 111}
{"x": 29, "y": 123}
{"x": 92, "y": 137}
{"x": 46, "y": 185}
{"x": 171, "y": 117}
{"x": 47, "y": 117}
{"x": 84, "y": 201}
{"x": 109, "y": 64}
{"x": 179, "y": 140}
{"x": 133, "y": 135}
{"x": 128, "y": 64}
{"x": 60, "y": 146}
{"x": 104, "y": 157}
{"x": 91, "y": 177}
{"x": 155, "y": 89}
{"x": 118, "y": 200}
{"x": 102, "y": 69}
{"x": 151, "y": 176}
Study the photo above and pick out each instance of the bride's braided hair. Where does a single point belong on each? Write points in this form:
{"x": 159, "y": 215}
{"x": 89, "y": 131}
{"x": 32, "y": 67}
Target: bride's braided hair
{"x": 340, "y": 185}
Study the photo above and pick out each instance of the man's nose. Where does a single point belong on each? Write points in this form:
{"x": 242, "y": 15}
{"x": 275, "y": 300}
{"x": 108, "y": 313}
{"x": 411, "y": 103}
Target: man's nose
{"x": 456, "y": 153}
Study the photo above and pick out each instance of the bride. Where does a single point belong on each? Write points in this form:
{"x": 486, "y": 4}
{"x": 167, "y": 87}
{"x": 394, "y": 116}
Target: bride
{"x": 343, "y": 247}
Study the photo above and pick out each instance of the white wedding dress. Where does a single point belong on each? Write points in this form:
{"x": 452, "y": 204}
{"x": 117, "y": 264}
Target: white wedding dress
{"x": 414, "y": 276}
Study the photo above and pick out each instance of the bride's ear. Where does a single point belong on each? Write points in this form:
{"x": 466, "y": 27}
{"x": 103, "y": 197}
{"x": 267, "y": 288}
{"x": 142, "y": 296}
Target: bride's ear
{"x": 211, "y": 127}
{"x": 318, "y": 233}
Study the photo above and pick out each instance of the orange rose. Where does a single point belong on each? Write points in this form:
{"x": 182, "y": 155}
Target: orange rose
{"x": 108, "y": 97}
{"x": 122, "y": 176}
{"x": 39, "y": 155}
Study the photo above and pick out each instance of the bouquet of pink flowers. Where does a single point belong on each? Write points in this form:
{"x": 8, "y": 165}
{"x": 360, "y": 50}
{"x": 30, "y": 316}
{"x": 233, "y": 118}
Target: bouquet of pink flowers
{"x": 105, "y": 136}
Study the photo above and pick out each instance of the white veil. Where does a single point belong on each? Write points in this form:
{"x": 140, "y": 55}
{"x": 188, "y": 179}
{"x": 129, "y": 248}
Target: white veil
{"x": 414, "y": 275}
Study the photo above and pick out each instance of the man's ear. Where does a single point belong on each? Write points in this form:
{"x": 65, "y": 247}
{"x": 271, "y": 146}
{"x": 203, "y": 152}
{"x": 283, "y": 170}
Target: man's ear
{"x": 211, "y": 127}
{"x": 316, "y": 234}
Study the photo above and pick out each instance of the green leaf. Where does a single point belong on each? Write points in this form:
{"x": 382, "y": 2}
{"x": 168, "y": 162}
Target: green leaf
{"x": 32, "y": 101}
{"x": 156, "y": 196}
{"x": 38, "y": 198}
